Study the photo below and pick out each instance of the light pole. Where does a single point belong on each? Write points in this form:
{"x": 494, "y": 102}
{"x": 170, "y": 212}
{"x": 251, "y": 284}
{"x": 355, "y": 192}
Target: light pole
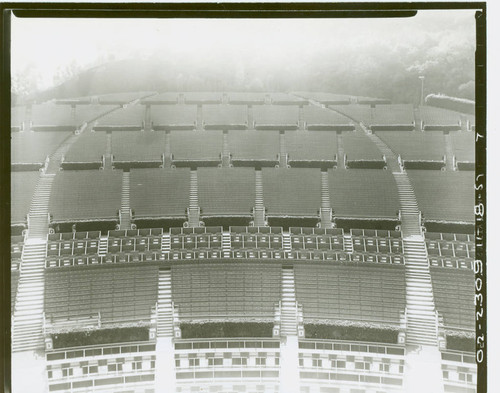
{"x": 422, "y": 78}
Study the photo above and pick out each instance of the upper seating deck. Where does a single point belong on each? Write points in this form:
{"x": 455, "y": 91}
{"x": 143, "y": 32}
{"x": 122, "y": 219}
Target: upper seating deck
{"x": 85, "y": 196}
{"x": 376, "y": 293}
{"x": 315, "y": 116}
{"x": 326, "y": 98}
{"x": 254, "y": 146}
{"x": 415, "y": 146}
{"x": 89, "y": 148}
{"x": 159, "y": 192}
{"x": 137, "y": 146}
{"x": 173, "y": 116}
{"x": 463, "y": 145}
{"x": 170, "y": 98}
{"x": 444, "y": 196}
{"x": 226, "y": 191}
{"x": 454, "y": 296}
{"x": 247, "y": 98}
{"x": 119, "y": 293}
{"x": 225, "y": 291}
{"x": 285, "y": 116}
{"x": 23, "y": 186}
{"x": 292, "y": 192}
{"x": 34, "y": 147}
{"x": 225, "y": 116}
{"x": 359, "y": 147}
{"x": 131, "y": 116}
{"x": 311, "y": 146}
{"x": 392, "y": 115}
{"x": 363, "y": 193}
{"x": 196, "y": 145}
{"x": 432, "y": 116}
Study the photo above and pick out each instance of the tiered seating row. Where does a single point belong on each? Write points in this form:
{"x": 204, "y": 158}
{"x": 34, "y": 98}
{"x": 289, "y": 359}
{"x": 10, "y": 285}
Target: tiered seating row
{"x": 138, "y": 146}
{"x": 393, "y": 115}
{"x": 432, "y": 116}
{"x": 88, "y": 148}
{"x": 454, "y": 296}
{"x": 196, "y": 145}
{"x": 122, "y": 98}
{"x": 256, "y": 241}
{"x": 444, "y": 248}
{"x": 173, "y": 116}
{"x": 34, "y": 147}
{"x": 311, "y": 146}
{"x": 374, "y": 293}
{"x": 23, "y": 186}
{"x": 444, "y": 196}
{"x": 224, "y": 115}
{"x": 415, "y": 146}
{"x": 247, "y": 146}
{"x": 317, "y": 242}
{"x": 379, "y": 241}
{"x": 226, "y": 290}
{"x": 359, "y": 147}
{"x": 119, "y": 294}
{"x": 463, "y": 145}
{"x": 130, "y": 116}
{"x": 276, "y": 115}
{"x": 85, "y": 195}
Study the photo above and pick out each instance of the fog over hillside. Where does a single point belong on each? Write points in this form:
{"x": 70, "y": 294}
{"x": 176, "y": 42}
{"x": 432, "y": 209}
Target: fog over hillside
{"x": 371, "y": 57}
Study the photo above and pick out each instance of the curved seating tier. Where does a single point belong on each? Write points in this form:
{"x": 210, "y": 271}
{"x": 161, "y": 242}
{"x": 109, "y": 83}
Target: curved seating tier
{"x": 85, "y": 196}
{"x": 371, "y": 293}
{"x": 287, "y": 99}
{"x": 217, "y": 116}
{"x": 444, "y": 196}
{"x": 326, "y": 98}
{"x": 360, "y": 113}
{"x": 132, "y": 116}
{"x": 50, "y": 114}
{"x": 89, "y": 113}
{"x": 23, "y": 186}
{"x": 359, "y": 147}
{"x": 363, "y": 193}
{"x": 292, "y": 192}
{"x": 310, "y": 146}
{"x": 226, "y": 191}
{"x": 196, "y": 145}
{"x": 173, "y": 116}
{"x": 315, "y": 116}
{"x": 159, "y": 192}
{"x": 122, "y": 98}
{"x": 34, "y": 147}
{"x": 454, "y": 296}
{"x": 217, "y": 290}
{"x": 88, "y": 148}
{"x": 133, "y": 146}
{"x": 415, "y": 146}
{"x": 285, "y": 116}
{"x": 238, "y": 98}
{"x": 463, "y": 145}
{"x": 200, "y": 98}
{"x": 162, "y": 98}
{"x": 432, "y": 116}
{"x": 393, "y": 115}
{"x": 118, "y": 293}
{"x": 257, "y": 146}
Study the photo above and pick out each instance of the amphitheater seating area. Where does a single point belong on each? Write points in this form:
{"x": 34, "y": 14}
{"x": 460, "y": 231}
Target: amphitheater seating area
{"x": 292, "y": 192}
{"x": 226, "y": 191}
{"x": 393, "y": 115}
{"x": 34, "y": 147}
{"x": 196, "y": 145}
{"x": 85, "y": 195}
{"x": 310, "y": 146}
{"x": 369, "y": 293}
{"x": 367, "y": 193}
{"x": 88, "y": 148}
{"x": 284, "y": 116}
{"x": 254, "y": 146}
{"x": 132, "y": 116}
{"x": 360, "y": 113}
{"x": 118, "y": 293}
{"x": 137, "y": 146}
{"x": 463, "y": 145}
{"x": 23, "y": 186}
{"x": 316, "y": 117}
{"x": 359, "y": 147}
{"x": 246, "y": 98}
{"x": 159, "y": 192}
{"x": 415, "y": 146}
{"x": 444, "y": 196}
{"x": 217, "y": 290}
{"x": 454, "y": 296}
{"x": 432, "y": 116}
{"x": 225, "y": 116}
{"x": 173, "y": 116}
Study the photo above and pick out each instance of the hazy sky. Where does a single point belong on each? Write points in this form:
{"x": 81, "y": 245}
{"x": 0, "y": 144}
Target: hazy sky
{"x": 42, "y": 46}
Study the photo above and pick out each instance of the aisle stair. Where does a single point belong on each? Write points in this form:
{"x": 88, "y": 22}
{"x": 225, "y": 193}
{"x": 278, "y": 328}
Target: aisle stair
{"x": 288, "y": 319}
{"x": 409, "y": 211}
{"x": 125, "y": 212}
{"x": 325, "y": 210}
{"x": 286, "y": 241}
{"x": 108, "y": 153}
{"x": 391, "y": 158}
{"x": 166, "y": 244}
{"x": 348, "y": 247}
{"x": 38, "y": 216}
{"x": 340, "y": 152}
{"x": 165, "y": 319}
{"x": 193, "y": 209}
{"x": 102, "y": 248}
{"x": 283, "y": 155}
{"x": 226, "y": 244}
{"x": 27, "y": 320}
{"x": 259, "y": 210}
